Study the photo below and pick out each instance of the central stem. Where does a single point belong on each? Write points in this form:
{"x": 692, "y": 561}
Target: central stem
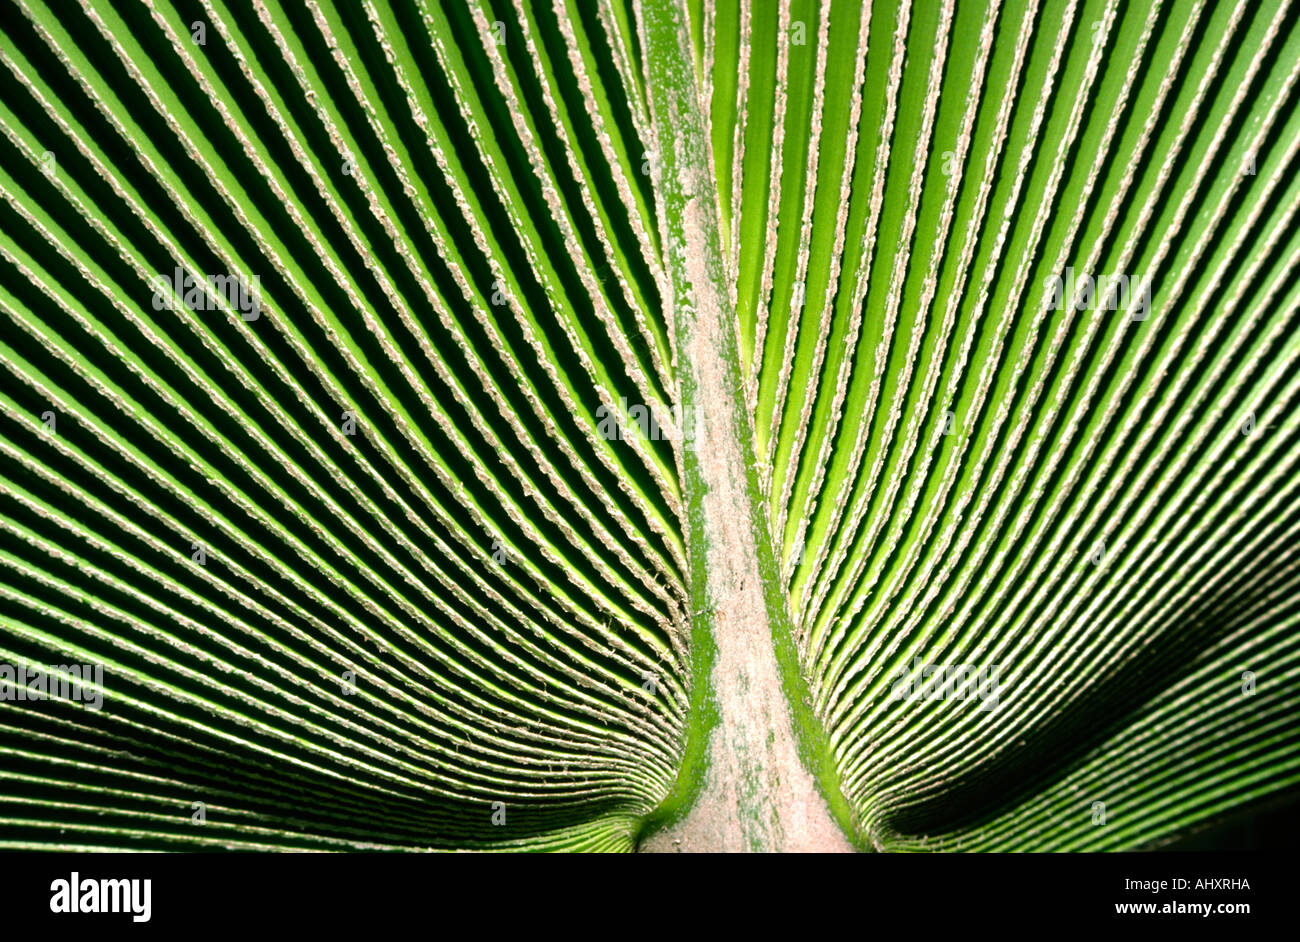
{"x": 752, "y": 792}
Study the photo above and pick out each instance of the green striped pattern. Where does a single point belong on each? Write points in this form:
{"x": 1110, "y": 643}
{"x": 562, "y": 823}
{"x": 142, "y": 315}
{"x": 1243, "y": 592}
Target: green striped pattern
{"x": 439, "y": 608}
{"x": 498, "y": 577}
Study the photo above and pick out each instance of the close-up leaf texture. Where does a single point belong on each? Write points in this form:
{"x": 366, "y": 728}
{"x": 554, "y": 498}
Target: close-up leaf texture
{"x": 569, "y": 424}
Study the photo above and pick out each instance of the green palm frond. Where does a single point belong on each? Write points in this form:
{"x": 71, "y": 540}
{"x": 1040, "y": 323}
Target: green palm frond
{"x": 693, "y": 424}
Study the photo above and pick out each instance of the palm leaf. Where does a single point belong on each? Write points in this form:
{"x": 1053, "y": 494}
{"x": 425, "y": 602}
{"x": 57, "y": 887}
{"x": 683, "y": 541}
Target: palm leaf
{"x": 627, "y": 402}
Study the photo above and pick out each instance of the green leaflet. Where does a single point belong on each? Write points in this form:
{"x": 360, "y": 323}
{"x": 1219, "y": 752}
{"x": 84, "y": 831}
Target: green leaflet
{"x": 406, "y": 547}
